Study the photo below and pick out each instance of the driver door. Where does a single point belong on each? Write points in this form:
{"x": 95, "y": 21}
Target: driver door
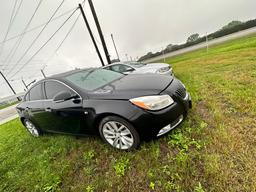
{"x": 61, "y": 117}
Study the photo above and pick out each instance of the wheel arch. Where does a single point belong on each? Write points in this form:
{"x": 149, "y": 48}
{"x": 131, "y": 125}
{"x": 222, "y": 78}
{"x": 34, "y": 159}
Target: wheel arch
{"x": 22, "y": 120}
{"x": 99, "y": 118}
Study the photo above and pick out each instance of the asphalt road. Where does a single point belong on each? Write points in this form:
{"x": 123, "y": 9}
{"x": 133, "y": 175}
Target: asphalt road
{"x": 203, "y": 45}
{"x": 8, "y": 114}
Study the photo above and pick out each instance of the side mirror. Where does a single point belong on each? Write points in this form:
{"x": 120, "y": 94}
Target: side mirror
{"x": 62, "y": 96}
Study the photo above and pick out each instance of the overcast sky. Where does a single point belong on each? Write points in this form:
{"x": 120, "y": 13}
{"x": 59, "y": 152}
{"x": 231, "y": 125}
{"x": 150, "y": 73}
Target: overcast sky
{"x": 139, "y": 26}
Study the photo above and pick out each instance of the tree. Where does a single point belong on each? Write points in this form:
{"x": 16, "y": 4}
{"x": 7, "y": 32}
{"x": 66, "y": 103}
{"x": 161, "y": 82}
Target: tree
{"x": 232, "y": 24}
{"x": 193, "y": 38}
{"x": 169, "y": 47}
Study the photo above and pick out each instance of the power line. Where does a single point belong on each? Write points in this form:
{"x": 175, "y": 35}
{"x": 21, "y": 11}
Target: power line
{"x": 17, "y": 44}
{"x": 61, "y": 43}
{"x": 68, "y": 33}
{"x": 9, "y": 84}
{"x": 17, "y": 11}
{"x": 37, "y": 37}
{"x": 27, "y": 77}
{"x": 34, "y": 63}
{"x": 44, "y": 43}
{"x": 9, "y": 26}
{"x": 38, "y": 26}
{"x": 91, "y": 34}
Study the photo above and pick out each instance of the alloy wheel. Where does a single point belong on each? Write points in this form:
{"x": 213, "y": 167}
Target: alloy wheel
{"x": 118, "y": 135}
{"x": 31, "y": 128}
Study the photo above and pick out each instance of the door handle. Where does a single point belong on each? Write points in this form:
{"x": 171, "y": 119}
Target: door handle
{"x": 48, "y": 109}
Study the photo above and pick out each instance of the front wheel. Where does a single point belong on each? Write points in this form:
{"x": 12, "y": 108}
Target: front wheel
{"x": 32, "y": 129}
{"x": 119, "y": 133}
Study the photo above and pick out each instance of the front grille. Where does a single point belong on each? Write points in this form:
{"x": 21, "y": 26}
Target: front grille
{"x": 181, "y": 92}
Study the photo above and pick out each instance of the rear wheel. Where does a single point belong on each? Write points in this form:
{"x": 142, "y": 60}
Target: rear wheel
{"x": 32, "y": 129}
{"x": 119, "y": 133}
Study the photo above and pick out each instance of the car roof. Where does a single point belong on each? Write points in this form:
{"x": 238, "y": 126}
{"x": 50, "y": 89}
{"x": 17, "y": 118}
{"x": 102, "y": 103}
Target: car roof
{"x": 61, "y": 75}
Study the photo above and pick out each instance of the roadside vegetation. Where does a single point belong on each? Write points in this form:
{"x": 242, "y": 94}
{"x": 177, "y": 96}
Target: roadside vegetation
{"x": 213, "y": 150}
{"x": 2, "y": 106}
{"x": 194, "y": 39}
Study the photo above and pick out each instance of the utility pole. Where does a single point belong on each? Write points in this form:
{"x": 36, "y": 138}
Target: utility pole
{"x": 163, "y": 53}
{"x": 207, "y": 44}
{"x": 90, "y": 32}
{"x": 31, "y": 82}
{"x": 9, "y": 84}
{"x": 99, "y": 31}
{"x": 112, "y": 37}
{"x": 24, "y": 83}
{"x": 43, "y": 73}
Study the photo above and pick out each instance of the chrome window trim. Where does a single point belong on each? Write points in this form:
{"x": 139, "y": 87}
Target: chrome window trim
{"x": 62, "y": 84}
{"x": 55, "y": 81}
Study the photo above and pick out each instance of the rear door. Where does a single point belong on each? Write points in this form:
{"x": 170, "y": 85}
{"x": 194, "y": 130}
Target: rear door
{"x": 34, "y": 104}
{"x": 64, "y": 117}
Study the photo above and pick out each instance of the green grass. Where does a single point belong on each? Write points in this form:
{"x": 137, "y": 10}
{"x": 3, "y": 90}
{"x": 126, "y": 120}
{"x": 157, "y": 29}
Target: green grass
{"x": 213, "y": 150}
{"x": 8, "y": 105}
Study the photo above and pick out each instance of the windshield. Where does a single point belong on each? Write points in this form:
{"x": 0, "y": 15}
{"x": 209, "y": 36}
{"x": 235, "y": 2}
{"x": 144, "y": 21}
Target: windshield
{"x": 93, "y": 79}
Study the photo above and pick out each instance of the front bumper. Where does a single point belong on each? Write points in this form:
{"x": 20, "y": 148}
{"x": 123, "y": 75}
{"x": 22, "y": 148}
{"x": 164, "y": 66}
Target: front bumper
{"x": 176, "y": 122}
{"x": 151, "y": 124}
{"x": 171, "y": 126}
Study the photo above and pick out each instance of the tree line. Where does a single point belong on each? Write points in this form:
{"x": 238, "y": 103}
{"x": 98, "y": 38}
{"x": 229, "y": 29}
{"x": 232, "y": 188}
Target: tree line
{"x": 194, "y": 39}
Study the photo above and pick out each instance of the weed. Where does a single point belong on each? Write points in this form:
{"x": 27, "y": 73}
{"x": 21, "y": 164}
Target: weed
{"x": 89, "y": 155}
{"x": 152, "y": 185}
{"x": 199, "y": 188}
{"x": 89, "y": 188}
{"x": 121, "y": 166}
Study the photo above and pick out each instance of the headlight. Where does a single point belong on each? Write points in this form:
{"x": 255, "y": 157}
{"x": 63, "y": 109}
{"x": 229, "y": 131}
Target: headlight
{"x": 153, "y": 103}
{"x": 163, "y": 70}
{"x": 182, "y": 84}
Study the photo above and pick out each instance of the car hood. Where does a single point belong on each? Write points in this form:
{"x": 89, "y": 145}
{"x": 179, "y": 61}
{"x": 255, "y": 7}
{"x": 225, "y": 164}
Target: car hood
{"x": 133, "y": 85}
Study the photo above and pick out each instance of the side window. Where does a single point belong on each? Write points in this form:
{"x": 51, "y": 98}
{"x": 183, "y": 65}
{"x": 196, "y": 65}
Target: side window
{"x": 36, "y": 93}
{"x": 121, "y": 68}
{"x": 54, "y": 87}
{"x": 115, "y": 68}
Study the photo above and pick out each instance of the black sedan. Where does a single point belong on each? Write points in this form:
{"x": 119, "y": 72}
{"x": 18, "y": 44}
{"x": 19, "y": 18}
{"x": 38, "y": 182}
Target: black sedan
{"x": 122, "y": 109}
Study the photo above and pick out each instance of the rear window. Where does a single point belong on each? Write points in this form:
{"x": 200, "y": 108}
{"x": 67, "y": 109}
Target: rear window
{"x": 36, "y": 93}
{"x": 94, "y": 79}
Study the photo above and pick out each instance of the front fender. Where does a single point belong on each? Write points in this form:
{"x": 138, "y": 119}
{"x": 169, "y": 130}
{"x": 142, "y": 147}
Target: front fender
{"x": 100, "y": 108}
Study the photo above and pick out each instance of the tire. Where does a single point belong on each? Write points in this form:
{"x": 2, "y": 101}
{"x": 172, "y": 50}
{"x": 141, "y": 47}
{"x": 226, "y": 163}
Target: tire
{"x": 32, "y": 128}
{"x": 119, "y": 133}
